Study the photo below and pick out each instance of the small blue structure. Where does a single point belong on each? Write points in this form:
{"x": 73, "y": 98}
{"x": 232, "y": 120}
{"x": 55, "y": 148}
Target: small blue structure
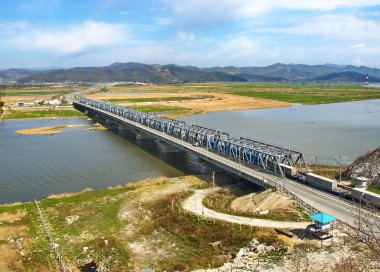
{"x": 322, "y": 218}
{"x": 322, "y": 224}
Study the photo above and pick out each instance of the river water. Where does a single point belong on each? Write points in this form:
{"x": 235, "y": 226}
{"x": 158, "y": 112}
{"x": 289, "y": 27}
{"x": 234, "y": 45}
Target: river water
{"x": 35, "y": 166}
{"x": 326, "y": 131}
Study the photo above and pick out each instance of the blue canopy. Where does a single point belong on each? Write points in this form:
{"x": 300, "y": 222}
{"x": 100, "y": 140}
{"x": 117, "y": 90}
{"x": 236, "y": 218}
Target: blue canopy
{"x": 323, "y": 218}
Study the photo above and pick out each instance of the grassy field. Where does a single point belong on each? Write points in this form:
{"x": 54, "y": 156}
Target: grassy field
{"x": 122, "y": 229}
{"x": 168, "y": 111}
{"x": 157, "y": 108}
{"x": 44, "y": 113}
{"x": 138, "y": 100}
{"x": 294, "y": 93}
{"x": 373, "y": 189}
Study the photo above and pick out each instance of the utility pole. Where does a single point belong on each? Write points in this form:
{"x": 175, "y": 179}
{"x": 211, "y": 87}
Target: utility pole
{"x": 1, "y": 95}
{"x": 339, "y": 161}
{"x": 360, "y": 211}
{"x": 315, "y": 163}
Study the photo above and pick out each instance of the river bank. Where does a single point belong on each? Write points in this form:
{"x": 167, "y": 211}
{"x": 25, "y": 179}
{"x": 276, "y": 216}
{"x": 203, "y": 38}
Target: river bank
{"x": 127, "y": 228}
{"x": 145, "y": 225}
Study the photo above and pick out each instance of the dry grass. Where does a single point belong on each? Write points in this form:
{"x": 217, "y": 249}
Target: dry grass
{"x": 218, "y": 102}
{"x": 65, "y": 195}
{"x": 9, "y": 231}
{"x": 329, "y": 171}
{"x": 12, "y": 217}
{"x": 9, "y": 257}
{"x": 15, "y": 99}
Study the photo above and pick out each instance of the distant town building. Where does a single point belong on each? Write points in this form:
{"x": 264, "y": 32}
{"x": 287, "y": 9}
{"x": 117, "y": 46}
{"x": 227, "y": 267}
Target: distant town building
{"x": 54, "y": 102}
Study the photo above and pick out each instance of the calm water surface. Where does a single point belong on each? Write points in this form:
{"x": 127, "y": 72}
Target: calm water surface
{"x": 34, "y": 166}
{"x": 346, "y": 129}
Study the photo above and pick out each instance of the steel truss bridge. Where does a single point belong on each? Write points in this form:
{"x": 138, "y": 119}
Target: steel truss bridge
{"x": 256, "y": 161}
{"x": 249, "y": 152}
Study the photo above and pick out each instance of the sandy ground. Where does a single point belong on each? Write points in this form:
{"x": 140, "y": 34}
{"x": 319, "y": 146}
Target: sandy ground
{"x": 265, "y": 201}
{"x": 45, "y": 130}
{"x": 220, "y": 102}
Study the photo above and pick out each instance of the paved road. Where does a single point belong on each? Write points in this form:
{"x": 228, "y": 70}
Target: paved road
{"x": 342, "y": 209}
{"x": 195, "y": 205}
{"x": 74, "y": 96}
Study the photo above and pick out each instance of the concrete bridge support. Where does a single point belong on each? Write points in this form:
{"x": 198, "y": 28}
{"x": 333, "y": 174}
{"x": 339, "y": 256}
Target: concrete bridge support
{"x": 142, "y": 136}
{"x": 166, "y": 148}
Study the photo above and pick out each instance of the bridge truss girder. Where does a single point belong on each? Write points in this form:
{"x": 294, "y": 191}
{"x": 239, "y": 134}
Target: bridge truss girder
{"x": 246, "y": 151}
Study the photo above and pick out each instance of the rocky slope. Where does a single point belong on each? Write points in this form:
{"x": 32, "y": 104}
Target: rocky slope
{"x": 367, "y": 166}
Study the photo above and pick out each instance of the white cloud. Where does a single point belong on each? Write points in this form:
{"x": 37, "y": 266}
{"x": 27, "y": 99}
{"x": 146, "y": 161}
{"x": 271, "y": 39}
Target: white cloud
{"x": 359, "y": 45}
{"x": 164, "y": 21}
{"x": 15, "y": 25}
{"x": 343, "y": 26}
{"x": 186, "y": 36}
{"x": 212, "y": 9}
{"x": 72, "y": 40}
{"x": 187, "y": 49}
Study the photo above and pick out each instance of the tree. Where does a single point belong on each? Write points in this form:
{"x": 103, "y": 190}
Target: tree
{"x": 2, "y": 103}
{"x": 366, "y": 230}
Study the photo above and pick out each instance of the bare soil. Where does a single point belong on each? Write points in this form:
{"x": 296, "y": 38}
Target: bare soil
{"x": 219, "y": 102}
{"x": 45, "y": 130}
{"x": 264, "y": 201}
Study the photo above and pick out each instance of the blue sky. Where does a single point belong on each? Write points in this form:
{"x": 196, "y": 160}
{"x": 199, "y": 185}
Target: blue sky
{"x": 205, "y": 33}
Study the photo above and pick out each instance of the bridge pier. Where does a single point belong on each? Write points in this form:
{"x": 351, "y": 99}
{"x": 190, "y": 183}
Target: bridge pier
{"x": 166, "y": 148}
{"x": 142, "y": 136}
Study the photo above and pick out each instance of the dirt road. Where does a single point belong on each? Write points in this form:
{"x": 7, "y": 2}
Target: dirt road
{"x": 194, "y": 204}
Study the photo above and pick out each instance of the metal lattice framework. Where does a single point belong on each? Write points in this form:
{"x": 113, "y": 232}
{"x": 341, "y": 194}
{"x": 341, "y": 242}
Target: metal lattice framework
{"x": 246, "y": 151}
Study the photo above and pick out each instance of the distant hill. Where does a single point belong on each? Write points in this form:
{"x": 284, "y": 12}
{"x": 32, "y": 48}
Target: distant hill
{"x": 131, "y": 72}
{"x": 15, "y": 74}
{"x": 172, "y": 73}
{"x": 345, "y": 77}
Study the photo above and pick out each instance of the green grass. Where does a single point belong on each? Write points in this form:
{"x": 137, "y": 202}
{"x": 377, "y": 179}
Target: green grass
{"x": 43, "y": 114}
{"x": 103, "y": 90}
{"x": 184, "y": 238}
{"x": 373, "y": 189}
{"x": 137, "y": 100}
{"x": 305, "y": 93}
{"x": 295, "y": 93}
{"x": 158, "y": 108}
{"x": 37, "y": 247}
{"x": 98, "y": 221}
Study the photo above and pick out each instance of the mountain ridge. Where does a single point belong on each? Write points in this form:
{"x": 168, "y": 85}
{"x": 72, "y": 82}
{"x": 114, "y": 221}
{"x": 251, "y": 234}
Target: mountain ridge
{"x": 172, "y": 73}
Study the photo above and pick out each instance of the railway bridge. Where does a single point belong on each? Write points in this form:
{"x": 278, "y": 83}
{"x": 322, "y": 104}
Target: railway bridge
{"x": 261, "y": 163}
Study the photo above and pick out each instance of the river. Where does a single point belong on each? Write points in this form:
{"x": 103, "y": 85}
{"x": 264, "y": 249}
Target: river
{"x": 35, "y": 166}
{"x": 326, "y": 131}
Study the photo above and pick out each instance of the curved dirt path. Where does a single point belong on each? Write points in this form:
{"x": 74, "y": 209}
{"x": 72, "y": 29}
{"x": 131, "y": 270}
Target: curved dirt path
{"x": 194, "y": 204}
